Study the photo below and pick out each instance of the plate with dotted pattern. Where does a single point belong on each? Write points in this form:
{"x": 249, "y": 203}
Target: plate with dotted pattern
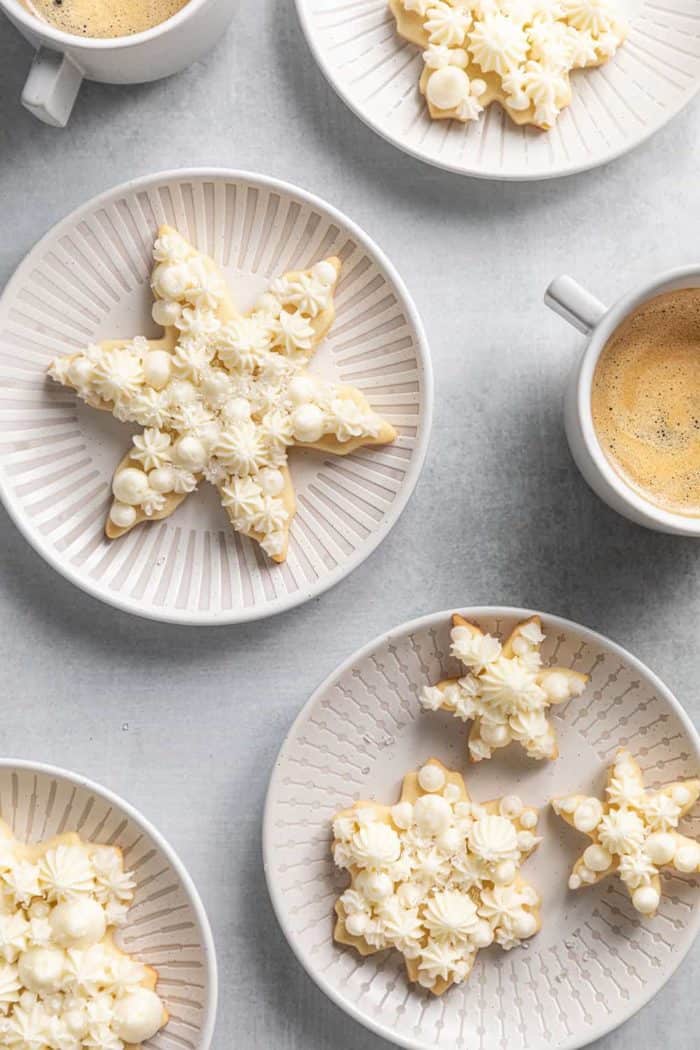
{"x": 594, "y": 963}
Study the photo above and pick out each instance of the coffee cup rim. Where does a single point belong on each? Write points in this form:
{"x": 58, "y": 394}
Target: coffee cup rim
{"x": 598, "y": 338}
{"x": 72, "y": 41}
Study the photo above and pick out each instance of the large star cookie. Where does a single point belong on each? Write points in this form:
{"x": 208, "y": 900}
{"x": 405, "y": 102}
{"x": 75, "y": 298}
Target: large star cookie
{"x": 633, "y": 832}
{"x": 506, "y": 691}
{"x": 436, "y": 876}
{"x": 64, "y": 984}
{"x": 222, "y": 395}
{"x": 517, "y": 52}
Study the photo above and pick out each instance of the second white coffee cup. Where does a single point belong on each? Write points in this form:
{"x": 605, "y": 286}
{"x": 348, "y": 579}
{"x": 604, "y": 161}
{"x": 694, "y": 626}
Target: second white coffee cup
{"x": 581, "y": 309}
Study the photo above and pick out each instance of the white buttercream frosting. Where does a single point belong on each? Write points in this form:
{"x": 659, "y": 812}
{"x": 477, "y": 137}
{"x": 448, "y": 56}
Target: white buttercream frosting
{"x": 506, "y": 693}
{"x": 64, "y": 985}
{"x": 436, "y": 876}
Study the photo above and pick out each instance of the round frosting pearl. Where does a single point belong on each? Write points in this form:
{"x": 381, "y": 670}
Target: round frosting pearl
{"x": 587, "y": 815}
{"x": 681, "y": 795}
{"x": 325, "y": 272}
{"x": 170, "y": 281}
{"x": 431, "y": 778}
{"x": 511, "y": 806}
{"x": 495, "y": 736}
{"x": 432, "y": 814}
{"x": 597, "y": 858}
{"x": 482, "y": 934}
{"x": 556, "y": 686}
{"x": 301, "y": 389}
{"x": 162, "y": 479}
{"x": 356, "y": 924}
{"x": 529, "y": 819}
{"x": 156, "y": 369}
{"x": 687, "y": 858}
{"x": 238, "y": 408}
{"x": 575, "y": 881}
{"x": 271, "y": 481}
{"x": 409, "y": 894}
{"x": 122, "y": 515}
{"x": 504, "y": 873}
{"x": 524, "y": 924}
{"x": 189, "y": 452}
{"x": 130, "y": 486}
{"x": 447, "y": 87}
{"x": 41, "y": 969}
{"x": 478, "y": 87}
{"x": 165, "y": 314}
{"x": 450, "y": 840}
{"x": 660, "y": 847}
{"x": 182, "y": 392}
{"x": 78, "y": 923}
{"x": 138, "y": 1016}
{"x": 451, "y": 793}
{"x": 80, "y": 372}
{"x": 402, "y": 814}
{"x": 376, "y": 885}
{"x": 307, "y": 421}
{"x": 76, "y": 1021}
{"x": 526, "y": 840}
{"x": 646, "y": 900}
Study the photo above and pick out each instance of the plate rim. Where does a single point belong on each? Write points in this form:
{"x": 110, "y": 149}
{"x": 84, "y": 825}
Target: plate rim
{"x": 487, "y": 174}
{"x": 410, "y": 626}
{"x": 195, "y": 618}
{"x": 211, "y": 1004}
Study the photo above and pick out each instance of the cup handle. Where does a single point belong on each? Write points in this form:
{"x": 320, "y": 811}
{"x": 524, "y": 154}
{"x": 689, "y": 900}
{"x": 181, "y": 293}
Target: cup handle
{"x": 52, "y": 87}
{"x": 572, "y": 302}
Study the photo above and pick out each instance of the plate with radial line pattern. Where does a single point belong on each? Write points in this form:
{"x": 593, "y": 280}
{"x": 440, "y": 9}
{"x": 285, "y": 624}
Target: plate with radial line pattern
{"x": 615, "y": 107}
{"x": 88, "y": 279}
{"x": 593, "y": 964}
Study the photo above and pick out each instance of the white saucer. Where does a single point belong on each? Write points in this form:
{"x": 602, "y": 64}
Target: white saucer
{"x": 88, "y": 280}
{"x": 594, "y": 963}
{"x": 652, "y": 77}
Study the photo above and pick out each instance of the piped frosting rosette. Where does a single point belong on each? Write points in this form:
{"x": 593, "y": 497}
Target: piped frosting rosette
{"x": 633, "y": 832}
{"x": 436, "y": 876}
{"x": 518, "y": 52}
{"x": 506, "y": 692}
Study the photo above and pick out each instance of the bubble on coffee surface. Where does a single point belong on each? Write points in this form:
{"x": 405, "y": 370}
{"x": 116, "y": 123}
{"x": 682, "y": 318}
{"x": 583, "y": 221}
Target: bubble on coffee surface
{"x": 104, "y": 18}
{"x": 646, "y": 401}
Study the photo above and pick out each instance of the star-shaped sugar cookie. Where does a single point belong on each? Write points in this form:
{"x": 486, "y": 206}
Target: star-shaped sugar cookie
{"x": 222, "y": 396}
{"x": 633, "y": 832}
{"x": 506, "y": 691}
{"x": 436, "y": 877}
{"x": 516, "y": 52}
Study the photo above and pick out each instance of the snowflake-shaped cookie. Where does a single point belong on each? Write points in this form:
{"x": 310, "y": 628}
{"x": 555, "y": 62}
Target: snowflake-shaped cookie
{"x": 633, "y": 832}
{"x": 222, "y": 395}
{"x": 436, "y": 876}
{"x": 517, "y": 52}
{"x": 64, "y": 984}
{"x": 506, "y": 691}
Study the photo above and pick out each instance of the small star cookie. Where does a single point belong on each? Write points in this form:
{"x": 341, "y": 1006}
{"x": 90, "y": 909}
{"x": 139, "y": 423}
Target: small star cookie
{"x": 222, "y": 395}
{"x": 633, "y": 832}
{"x": 506, "y": 691}
{"x": 517, "y": 52}
{"x": 436, "y": 876}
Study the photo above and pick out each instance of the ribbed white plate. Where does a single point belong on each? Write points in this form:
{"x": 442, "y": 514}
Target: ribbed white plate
{"x": 616, "y": 107}
{"x": 167, "y": 928}
{"x": 594, "y": 963}
{"x": 88, "y": 279}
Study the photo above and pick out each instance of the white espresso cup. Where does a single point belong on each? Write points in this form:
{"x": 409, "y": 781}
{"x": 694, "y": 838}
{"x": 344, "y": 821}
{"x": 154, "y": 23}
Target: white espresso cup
{"x": 63, "y": 61}
{"x": 581, "y": 309}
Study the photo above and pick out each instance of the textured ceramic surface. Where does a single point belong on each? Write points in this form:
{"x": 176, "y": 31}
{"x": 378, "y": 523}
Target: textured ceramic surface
{"x": 594, "y": 963}
{"x": 167, "y": 926}
{"x": 88, "y": 280}
{"x": 651, "y": 78}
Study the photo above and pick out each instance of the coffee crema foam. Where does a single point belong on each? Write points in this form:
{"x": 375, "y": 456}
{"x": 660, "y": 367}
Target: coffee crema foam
{"x": 104, "y": 18}
{"x": 645, "y": 401}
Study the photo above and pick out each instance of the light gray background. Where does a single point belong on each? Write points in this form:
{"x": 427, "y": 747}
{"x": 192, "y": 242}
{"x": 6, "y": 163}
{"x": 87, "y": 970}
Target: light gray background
{"x": 186, "y": 723}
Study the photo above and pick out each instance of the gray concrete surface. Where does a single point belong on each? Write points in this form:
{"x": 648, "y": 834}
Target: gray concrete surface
{"x": 186, "y": 723}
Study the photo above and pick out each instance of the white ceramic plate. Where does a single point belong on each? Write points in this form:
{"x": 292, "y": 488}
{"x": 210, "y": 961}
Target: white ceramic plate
{"x": 88, "y": 279}
{"x": 168, "y": 927}
{"x": 593, "y": 964}
{"x": 615, "y": 107}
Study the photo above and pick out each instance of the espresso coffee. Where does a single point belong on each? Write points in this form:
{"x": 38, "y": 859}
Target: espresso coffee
{"x": 104, "y": 18}
{"x": 646, "y": 401}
